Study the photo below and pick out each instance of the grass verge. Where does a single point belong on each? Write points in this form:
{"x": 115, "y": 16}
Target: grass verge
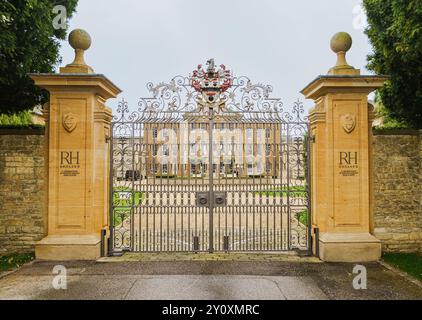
{"x": 411, "y": 263}
{"x": 14, "y": 261}
{"x": 295, "y": 191}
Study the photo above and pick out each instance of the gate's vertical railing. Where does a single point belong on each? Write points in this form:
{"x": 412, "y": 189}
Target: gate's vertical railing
{"x": 309, "y": 186}
{"x": 111, "y": 192}
{"x": 288, "y": 185}
{"x": 211, "y": 176}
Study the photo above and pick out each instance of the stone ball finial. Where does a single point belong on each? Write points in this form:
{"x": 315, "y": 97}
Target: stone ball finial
{"x": 80, "y": 39}
{"x": 341, "y": 42}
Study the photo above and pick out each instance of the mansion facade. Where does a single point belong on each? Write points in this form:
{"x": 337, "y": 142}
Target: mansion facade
{"x": 242, "y": 148}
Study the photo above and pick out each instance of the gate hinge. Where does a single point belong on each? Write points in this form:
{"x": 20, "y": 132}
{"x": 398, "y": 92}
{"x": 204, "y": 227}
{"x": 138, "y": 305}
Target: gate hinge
{"x": 107, "y": 138}
{"x": 313, "y": 139}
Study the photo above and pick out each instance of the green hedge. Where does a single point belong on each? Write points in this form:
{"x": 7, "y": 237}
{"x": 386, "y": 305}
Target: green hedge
{"x": 17, "y": 121}
{"x": 23, "y": 118}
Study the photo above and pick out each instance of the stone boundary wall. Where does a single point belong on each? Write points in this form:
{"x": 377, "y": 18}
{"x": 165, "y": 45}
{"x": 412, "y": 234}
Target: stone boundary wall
{"x": 397, "y": 189}
{"x": 22, "y": 189}
{"x": 397, "y": 186}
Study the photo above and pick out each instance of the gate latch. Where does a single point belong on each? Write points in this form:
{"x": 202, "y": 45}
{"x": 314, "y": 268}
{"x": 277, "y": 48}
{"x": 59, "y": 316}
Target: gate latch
{"x": 203, "y": 199}
{"x": 220, "y": 199}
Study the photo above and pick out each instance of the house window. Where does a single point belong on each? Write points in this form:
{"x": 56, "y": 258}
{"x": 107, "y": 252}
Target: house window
{"x": 268, "y": 149}
{"x": 195, "y": 169}
{"x": 154, "y": 150}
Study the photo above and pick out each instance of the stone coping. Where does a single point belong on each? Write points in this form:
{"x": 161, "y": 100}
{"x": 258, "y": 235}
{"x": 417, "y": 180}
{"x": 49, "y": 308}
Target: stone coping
{"x": 397, "y": 132}
{"x": 363, "y": 76}
{"x": 22, "y": 131}
{"x": 76, "y": 76}
{"x": 328, "y": 237}
{"x": 345, "y": 77}
{"x": 73, "y": 240}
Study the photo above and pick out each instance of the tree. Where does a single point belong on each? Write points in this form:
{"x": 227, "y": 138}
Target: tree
{"x": 395, "y": 31}
{"x": 29, "y": 43}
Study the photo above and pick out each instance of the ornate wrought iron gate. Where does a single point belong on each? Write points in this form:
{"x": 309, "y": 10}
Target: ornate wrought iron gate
{"x": 210, "y": 163}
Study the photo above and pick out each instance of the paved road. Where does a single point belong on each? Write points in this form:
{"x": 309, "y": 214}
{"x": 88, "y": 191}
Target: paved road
{"x": 215, "y": 280}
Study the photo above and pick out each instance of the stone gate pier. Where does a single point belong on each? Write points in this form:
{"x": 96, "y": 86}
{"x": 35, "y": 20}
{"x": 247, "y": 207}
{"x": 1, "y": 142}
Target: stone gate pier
{"x": 78, "y": 127}
{"x": 341, "y": 130}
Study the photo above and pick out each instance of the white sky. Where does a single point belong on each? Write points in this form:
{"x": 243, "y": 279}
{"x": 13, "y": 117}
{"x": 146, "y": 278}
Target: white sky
{"x": 278, "y": 42}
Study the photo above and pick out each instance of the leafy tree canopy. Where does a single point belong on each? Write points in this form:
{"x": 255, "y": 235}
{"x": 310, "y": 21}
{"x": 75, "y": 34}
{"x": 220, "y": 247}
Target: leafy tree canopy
{"x": 28, "y": 44}
{"x": 395, "y": 31}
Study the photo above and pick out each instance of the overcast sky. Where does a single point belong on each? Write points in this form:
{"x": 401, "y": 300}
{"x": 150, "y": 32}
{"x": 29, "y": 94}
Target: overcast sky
{"x": 278, "y": 42}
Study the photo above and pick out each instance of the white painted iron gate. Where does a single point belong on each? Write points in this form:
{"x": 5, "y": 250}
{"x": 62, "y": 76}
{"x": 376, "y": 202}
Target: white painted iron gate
{"x": 209, "y": 163}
